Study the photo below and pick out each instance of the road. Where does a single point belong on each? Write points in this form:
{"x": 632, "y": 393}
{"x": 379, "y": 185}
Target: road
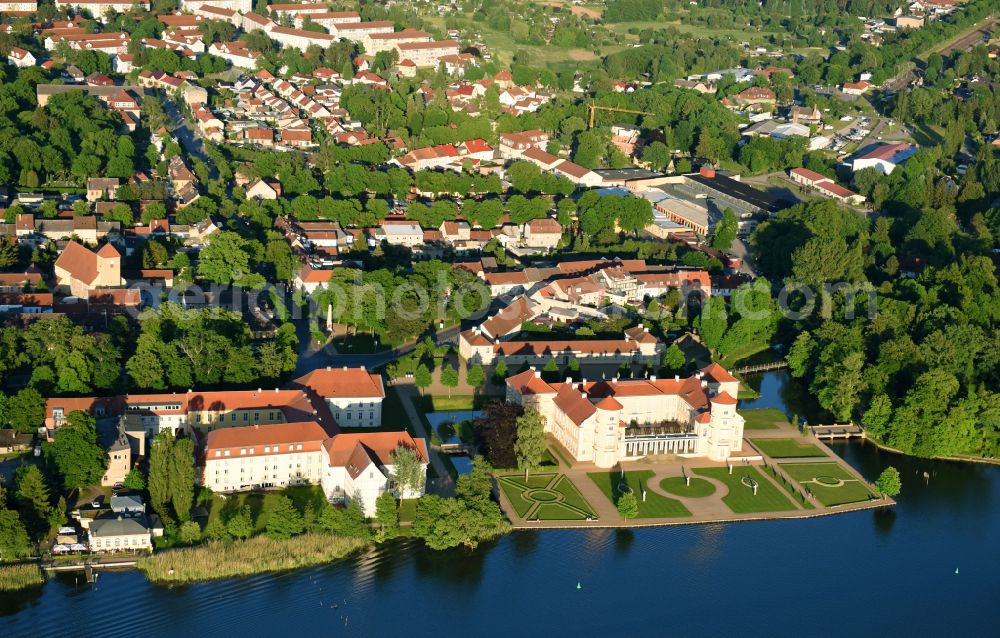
{"x": 186, "y": 134}
{"x": 313, "y": 357}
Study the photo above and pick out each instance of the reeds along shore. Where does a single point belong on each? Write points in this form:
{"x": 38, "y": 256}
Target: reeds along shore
{"x": 227, "y": 559}
{"x": 20, "y": 576}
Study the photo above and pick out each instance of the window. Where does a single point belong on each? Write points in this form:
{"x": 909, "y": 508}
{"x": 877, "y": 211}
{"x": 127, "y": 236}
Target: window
{"x": 298, "y": 447}
{"x": 243, "y": 451}
{"x": 218, "y": 453}
{"x": 227, "y": 453}
{"x": 251, "y": 450}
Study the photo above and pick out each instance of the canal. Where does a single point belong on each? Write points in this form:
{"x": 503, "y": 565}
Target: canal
{"x": 930, "y": 566}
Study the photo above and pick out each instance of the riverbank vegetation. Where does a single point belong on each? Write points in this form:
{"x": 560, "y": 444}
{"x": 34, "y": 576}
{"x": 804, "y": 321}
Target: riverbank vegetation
{"x": 20, "y": 576}
{"x": 229, "y": 559}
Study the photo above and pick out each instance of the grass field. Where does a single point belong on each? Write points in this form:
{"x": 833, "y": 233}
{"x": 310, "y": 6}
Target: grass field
{"x": 741, "y": 499}
{"x": 763, "y": 419}
{"x": 787, "y": 448}
{"x": 654, "y": 506}
{"x": 843, "y": 487}
{"x": 678, "y": 486}
{"x": 545, "y": 497}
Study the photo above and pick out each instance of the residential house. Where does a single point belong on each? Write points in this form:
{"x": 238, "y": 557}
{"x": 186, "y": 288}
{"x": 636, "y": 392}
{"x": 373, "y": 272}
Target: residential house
{"x": 79, "y": 270}
{"x": 20, "y": 58}
{"x": 99, "y": 188}
{"x": 119, "y": 534}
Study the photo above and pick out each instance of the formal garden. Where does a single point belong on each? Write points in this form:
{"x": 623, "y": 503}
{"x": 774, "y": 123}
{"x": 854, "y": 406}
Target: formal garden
{"x": 787, "y": 448}
{"x": 829, "y": 482}
{"x": 743, "y": 498}
{"x": 545, "y": 497}
{"x": 650, "y": 504}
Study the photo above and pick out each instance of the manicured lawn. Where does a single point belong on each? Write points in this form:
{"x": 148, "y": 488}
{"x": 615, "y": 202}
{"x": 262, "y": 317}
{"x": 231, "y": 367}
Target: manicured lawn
{"x": 678, "y": 486}
{"x": 545, "y": 497}
{"x": 741, "y": 499}
{"x": 407, "y": 510}
{"x": 829, "y": 483}
{"x": 457, "y": 402}
{"x": 763, "y": 419}
{"x": 655, "y": 505}
{"x": 562, "y": 457}
{"x": 787, "y": 448}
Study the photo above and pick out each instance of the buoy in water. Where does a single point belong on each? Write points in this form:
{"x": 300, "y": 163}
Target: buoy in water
{"x": 578, "y": 586}
{"x": 956, "y": 571}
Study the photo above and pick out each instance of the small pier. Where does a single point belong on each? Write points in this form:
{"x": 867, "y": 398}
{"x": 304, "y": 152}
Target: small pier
{"x": 835, "y": 431}
{"x": 456, "y": 449}
{"x": 761, "y": 367}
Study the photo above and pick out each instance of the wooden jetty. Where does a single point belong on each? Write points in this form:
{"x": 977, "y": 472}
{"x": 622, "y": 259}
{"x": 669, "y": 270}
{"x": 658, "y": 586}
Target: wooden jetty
{"x": 761, "y": 367}
{"x": 456, "y": 449}
{"x": 835, "y": 431}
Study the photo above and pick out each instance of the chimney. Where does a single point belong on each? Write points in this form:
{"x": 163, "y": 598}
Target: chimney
{"x": 327, "y": 367}
{"x": 652, "y": 377}
{"x": 569, "y": 380}
{"x": 704, "y": 384}
{"x": 677, "y": 377}
{"x": 538, "y": 374}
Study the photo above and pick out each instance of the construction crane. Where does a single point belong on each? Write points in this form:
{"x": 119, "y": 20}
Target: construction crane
{"x": 594, "y": 108}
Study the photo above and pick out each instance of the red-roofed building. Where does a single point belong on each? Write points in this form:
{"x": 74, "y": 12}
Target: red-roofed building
{"x": 79, "y": 270}
{"x": 353, "y": 395}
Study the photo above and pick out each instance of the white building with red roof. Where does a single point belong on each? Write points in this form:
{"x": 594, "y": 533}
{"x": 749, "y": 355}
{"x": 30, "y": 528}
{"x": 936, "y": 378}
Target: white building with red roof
{"x": 20, "y": 58}
{"x": 884, "y": 157}
{"x": 348, "y": 466}
{"x": 606, "y": 422}
{"x": 353, "y": 395}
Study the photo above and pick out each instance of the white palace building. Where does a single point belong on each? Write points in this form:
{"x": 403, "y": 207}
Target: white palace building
{"x": 605, "y": 422}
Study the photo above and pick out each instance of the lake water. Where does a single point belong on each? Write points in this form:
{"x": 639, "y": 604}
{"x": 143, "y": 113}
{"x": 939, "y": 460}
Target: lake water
{"x": 868, "y": 573}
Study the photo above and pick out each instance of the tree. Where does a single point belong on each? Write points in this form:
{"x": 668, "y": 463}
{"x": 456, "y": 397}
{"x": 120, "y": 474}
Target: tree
{"x": 422, "y": 377}
{"x": 32, "y": 496}
{"x": 75, "y": 453}
{"x": 160, "y": 461}
{"x": 530, "y": 444}
{"x": 628, "y": 505}
{"x": 240, "y": 524}
{"x": 26, "y": 410}
{"x": 14, "y": 540}
{"x": 182, "y": 477}
{"x": 134, "y": 480}
{"x": 386, "y": 516}
{"x": 475, "y": 377}
{"x": 673, "y": 359}
{"x": 226, "y": 259}
{"x": 284, "y": 520}
{"x": 725, "y": 230}
{"x": 888, "y": 482}
{"x": 496, "y": 432}
{"x": 712, "y": 322}
{"x": 449, "y": 377}
{"x": 407, "y": 471}
{"x": 189, "y": 533}
{"x": 500, "y": 370}
{"x": 349, "y": 521}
